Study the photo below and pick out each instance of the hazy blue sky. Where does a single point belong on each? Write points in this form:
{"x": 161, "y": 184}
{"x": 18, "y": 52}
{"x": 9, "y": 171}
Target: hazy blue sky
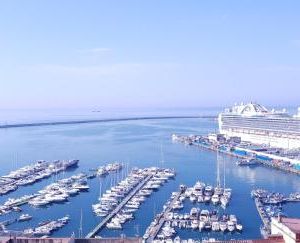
{"x": 60, "y": 53}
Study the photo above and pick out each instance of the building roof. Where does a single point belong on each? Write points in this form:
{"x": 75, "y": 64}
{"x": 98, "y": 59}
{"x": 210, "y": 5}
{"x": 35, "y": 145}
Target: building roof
{"x": 292, "y": 223}
{"x": 271, "y": 239}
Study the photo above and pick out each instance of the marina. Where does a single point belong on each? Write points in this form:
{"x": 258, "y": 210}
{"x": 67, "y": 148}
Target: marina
{"x": 190, "y": 165}
{"x": 150, "y": 121}
{"x": 165, "y": 224}
{"x": 32, "y": 173}
{"x": 56, "y": 192}
{"x": 120, "y": 202}
{"x": 269, "y": 205}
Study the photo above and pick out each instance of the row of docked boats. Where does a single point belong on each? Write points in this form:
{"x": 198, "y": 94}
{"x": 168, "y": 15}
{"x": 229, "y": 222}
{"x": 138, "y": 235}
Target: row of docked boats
{"x": 60, "y": 191}
{"x": 109, "y": 168}
{"x": 199, "y": 220}
{"x": 12, "y": 204}
{"x": 32, "y": 173}
{"x": 56, "y": 192}
{"x": 266, "y": 197}
{"x": 159, "y": 220}
{"x": 274, "y": 198}
{"x": 204, "y": 220}
{"x": 203, "y": 193}
{"x": 177, "y": 239}
{"x": 117, "y": 194}
{"x": 163, "y": 227}
{"x": 47, "y": 227}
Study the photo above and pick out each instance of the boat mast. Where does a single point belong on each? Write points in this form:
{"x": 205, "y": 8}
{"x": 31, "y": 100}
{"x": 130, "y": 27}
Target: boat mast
{"x": 80, "y": 226}
{"x": 100, "y": 187}
{"x": 218, "y": 170}
{"x": 224, "y": 172}
{"x": 137, "y": 228}
{"x": 162, "y": 161}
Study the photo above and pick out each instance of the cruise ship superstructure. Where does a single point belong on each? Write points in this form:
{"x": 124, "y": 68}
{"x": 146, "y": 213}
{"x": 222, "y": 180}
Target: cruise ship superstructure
{"x": 254, "y": 123}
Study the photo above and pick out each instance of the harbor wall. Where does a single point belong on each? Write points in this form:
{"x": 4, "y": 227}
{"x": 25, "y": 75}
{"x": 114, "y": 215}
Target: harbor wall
{"x": 54, "y": 123}
{"x": 269, "y": 156}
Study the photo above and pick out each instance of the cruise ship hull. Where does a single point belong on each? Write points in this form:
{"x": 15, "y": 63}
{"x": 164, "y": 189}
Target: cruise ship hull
{"x": 255, "y": 137}
{"x": 254, "y": 123}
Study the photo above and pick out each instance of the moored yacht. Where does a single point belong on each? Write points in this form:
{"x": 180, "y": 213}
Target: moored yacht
{"x": 215, "y": 199}
{"x": 24, "y": 217}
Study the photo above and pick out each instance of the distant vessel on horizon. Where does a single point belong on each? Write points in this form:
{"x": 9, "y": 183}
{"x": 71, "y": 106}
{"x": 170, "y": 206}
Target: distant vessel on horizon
{"x": 254, "y": 123}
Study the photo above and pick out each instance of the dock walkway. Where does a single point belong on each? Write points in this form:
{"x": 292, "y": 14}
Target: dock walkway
{"x": 118, "y": 208}
{"x": 266, "y": 229}
{"x": 162, "y": 219}
{"x": 264, "y": 219}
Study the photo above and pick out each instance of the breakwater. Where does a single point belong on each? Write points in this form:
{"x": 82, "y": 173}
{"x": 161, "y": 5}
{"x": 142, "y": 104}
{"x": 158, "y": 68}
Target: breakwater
{"x": 54, "y": 123}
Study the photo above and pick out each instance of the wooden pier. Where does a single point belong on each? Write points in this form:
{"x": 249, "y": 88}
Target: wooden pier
{"x": 118, "y": 208}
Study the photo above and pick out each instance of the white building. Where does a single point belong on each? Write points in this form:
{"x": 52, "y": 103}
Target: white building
{"x": 289, "y": 228}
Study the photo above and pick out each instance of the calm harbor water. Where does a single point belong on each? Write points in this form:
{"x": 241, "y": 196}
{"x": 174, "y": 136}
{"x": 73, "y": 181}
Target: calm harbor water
{"x": 137, "y": 143}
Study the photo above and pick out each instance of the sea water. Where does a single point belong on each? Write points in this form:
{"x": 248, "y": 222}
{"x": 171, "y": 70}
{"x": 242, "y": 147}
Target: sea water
{"x": 136, "y": 143}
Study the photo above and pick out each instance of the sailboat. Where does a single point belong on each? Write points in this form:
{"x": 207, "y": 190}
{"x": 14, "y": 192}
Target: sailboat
{"x": 215, "y": 199}
{"x": 80, "y": 233}
{"x": 225, "y": 198}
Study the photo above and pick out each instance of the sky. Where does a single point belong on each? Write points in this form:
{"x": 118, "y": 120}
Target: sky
{"x": 171, "y": 53}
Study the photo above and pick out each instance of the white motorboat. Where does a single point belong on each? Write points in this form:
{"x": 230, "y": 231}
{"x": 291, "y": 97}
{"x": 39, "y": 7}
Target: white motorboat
{"x": 25, "y": 217}
{"x": 223, "y": 226}
{"x": 193, "y": 198}
{"x": 224, "y": 201}
{"x": 209, "y": 191}
{"x": 114, "y": 225}
{"x": 230, "y": 226}
{"x": 239, "y": 227}
{"x": 215, "y": 199}
{"x": 195, "y": 224}
{"x": 215, "y": 226}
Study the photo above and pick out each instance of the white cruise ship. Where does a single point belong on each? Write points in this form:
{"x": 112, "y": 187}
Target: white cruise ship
{"x": 254, "y": 123}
